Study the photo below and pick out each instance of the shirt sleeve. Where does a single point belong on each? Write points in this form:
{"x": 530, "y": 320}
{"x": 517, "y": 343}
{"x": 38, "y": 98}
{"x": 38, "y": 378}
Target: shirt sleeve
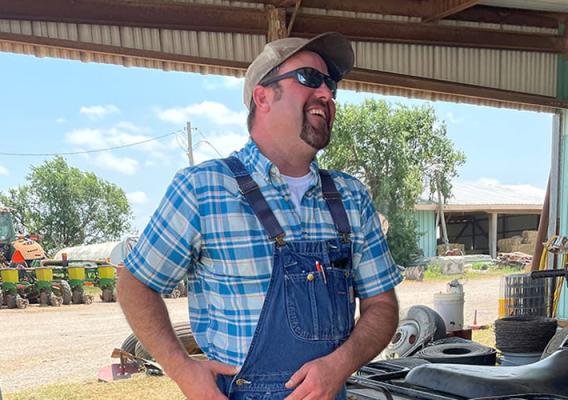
{"x": 376, "y": 272}
{"x": 171, "y": 241}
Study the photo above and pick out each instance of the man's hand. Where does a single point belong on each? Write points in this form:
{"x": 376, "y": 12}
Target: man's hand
{"x": 196, "y": 379}
{"x": 320, "y": 379}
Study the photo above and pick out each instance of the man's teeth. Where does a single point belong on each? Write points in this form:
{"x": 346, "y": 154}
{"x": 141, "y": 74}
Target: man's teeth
{"x": 319, "y": 113}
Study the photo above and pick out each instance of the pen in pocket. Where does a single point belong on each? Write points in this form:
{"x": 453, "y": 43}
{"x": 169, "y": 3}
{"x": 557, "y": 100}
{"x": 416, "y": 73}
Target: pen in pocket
{"x": 321, "y": 269}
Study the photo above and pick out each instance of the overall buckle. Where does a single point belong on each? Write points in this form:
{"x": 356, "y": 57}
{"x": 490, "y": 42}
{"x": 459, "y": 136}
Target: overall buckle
{"x": 279, "y": 239}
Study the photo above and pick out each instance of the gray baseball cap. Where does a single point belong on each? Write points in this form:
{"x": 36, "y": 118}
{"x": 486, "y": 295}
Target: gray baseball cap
{"x": 333, "y": 47}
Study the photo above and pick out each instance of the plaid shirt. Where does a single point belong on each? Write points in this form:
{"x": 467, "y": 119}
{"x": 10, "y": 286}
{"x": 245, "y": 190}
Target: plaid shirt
{"x": 205, "y": 228}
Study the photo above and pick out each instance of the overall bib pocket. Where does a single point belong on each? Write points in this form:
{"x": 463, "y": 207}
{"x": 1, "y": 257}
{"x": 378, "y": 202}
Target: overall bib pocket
{"x": 320, "y": 308}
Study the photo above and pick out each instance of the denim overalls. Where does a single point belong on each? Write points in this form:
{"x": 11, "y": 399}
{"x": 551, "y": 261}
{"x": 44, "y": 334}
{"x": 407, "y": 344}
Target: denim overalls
{"x": 309, "y": 307}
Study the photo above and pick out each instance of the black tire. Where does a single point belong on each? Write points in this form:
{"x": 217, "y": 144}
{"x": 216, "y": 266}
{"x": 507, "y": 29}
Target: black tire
{"x": 107, "y": 295}
{"x": 11, "y": 300}
{"x": 185, "y": 336}
{"x": 140, "y": 351}
{"x": 129, "y": 344}
{"x": 43, "y": 298}
{"x": 524, "y": 334}
{"x": 66, "y": 293}
{"x": 77, "y": 296}
{"x": 459, "y": 353}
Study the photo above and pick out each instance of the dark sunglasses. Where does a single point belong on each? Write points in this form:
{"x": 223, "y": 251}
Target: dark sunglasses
{"x": 306, "y": 76}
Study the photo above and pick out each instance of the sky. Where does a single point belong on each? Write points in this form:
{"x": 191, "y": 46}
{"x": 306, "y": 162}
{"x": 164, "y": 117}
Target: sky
{"x": 53, "y": 106}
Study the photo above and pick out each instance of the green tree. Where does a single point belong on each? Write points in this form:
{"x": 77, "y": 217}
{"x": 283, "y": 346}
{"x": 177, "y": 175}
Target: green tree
{"x": 69, "y": 207}
{"x": 396, "y": 151}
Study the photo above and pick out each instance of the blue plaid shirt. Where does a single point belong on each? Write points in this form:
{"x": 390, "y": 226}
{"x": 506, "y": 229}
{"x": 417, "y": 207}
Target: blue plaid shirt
{"x": 205, "y": 228}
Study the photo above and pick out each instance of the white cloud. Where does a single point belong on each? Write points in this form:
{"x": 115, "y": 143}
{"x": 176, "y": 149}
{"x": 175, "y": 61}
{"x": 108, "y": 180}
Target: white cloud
{"x": 123, "y": 165}
{"x": 4, "y": 171}
{"x": 227, "y": 82}
{"x": 60, "y": 120}
{"x": 216, "y": 113}
{"x": 97, "y": 112}
{"x": 453, "y": 119}
{"x": 137, "y": 197}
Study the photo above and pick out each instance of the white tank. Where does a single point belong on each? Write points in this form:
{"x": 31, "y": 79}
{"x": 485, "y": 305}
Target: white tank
{"x": 115, "y": 251}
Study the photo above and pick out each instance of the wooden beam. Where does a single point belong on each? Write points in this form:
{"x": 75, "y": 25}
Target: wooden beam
{"x": 194, "y": 17}
{"x": 423, "y": 9}
{"x": 276, "y": 23}
{"x": 433, "y": 85}
{"x": 430, "y": 34}
{"x": 444, "y": 8}
{"x": 121, "y": 51}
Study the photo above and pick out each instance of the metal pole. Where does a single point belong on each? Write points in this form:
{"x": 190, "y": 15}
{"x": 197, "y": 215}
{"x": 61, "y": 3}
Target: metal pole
{"x": 189, "y": 144}
{"x": 442, "y": 218}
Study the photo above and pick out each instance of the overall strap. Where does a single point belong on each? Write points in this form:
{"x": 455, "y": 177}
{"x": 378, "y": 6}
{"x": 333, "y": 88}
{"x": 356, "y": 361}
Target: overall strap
{"x": 249, "y": 188}
{"x": 335, "y": 205}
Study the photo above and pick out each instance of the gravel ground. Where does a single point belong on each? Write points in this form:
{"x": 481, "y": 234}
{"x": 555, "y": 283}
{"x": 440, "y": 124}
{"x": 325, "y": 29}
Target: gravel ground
{"x": 69, "y": 344}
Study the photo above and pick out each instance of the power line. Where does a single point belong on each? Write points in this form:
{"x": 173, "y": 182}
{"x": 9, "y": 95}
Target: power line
{"x": 72, "y": 153}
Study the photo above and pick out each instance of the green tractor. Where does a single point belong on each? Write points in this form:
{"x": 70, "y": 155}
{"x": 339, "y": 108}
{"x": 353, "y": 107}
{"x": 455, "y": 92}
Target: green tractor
{"x": 24, "y": 279}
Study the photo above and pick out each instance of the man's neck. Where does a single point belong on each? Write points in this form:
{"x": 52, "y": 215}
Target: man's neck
{"x": 290, "y": 160}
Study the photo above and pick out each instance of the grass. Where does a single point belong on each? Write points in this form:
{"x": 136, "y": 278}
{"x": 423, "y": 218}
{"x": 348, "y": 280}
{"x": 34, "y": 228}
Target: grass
{"x": 433, "y": 272}
{"x": 485, "y": 337}
{"x": 139, "y": 386}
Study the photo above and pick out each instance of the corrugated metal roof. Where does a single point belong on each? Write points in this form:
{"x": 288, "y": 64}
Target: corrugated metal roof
{"x": 527, "y": 72}
{"x": 490, "y": 192}
{"x": 517, "y": 71}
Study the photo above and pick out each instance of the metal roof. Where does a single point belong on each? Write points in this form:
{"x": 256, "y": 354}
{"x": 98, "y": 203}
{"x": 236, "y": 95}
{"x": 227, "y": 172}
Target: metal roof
{"x": 444, "y": 50}
{"x": 487, "y": 194}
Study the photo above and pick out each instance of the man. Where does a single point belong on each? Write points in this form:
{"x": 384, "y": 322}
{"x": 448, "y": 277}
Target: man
{"x": 275, "y": 248}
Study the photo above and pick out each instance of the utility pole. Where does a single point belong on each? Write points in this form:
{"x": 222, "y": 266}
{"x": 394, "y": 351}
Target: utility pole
{"x": 189, "y": 144}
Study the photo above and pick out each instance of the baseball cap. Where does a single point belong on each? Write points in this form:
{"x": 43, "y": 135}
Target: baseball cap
{"x": 333, "y": 47}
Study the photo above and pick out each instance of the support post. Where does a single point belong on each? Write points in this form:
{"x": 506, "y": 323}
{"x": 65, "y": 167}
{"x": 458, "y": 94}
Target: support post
{"x": 494, "y": 217}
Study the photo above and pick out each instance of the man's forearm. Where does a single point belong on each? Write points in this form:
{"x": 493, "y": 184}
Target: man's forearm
{"x": 148, "y": 317}
{"x": 372, "y": 333}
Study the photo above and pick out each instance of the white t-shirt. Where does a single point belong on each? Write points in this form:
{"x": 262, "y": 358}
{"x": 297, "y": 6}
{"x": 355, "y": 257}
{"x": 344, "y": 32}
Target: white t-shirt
{"x": 298, "y": 187}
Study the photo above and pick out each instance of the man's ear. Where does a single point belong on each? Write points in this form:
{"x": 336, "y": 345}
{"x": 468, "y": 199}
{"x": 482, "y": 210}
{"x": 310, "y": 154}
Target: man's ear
{"x": 262, "y": 97}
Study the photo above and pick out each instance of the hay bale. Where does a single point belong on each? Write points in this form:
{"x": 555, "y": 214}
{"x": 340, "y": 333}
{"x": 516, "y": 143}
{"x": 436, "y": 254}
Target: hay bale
{"x": 526, "y": 248}
{"x": 506, "y": 245}
{"x": 529, "y": 236}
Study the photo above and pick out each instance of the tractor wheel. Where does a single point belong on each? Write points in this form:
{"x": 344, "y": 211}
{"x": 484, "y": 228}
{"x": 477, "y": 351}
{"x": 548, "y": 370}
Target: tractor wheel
{"x": 55, "y": 301}
{"x": 107, "y": 295}
{"x": 11, "y": 300}
{"x": 129, "y": 344}
{"x": 184, "y": 335}
{"x": 66, "y": 293}
{"x": 43, "y": 298}
{"x": 77, "y": 296}
{"x": 21, "y": 303}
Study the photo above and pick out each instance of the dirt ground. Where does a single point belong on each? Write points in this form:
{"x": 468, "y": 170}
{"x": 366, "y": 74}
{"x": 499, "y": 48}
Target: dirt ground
{"x": 46, "y": 345}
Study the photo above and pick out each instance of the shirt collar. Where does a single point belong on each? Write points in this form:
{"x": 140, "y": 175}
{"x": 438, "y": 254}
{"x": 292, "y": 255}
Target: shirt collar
{"x": 255, "y": 161}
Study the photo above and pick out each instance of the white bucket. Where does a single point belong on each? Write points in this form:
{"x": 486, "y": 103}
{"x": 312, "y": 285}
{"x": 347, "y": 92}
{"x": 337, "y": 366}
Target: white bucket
{"x": 450, "y": 308}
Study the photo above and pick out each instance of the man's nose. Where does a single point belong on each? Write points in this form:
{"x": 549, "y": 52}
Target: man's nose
{"x": 323, "y": 92}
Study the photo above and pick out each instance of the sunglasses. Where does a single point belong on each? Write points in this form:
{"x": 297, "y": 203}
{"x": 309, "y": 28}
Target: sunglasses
{"x": 306, "y": 76}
